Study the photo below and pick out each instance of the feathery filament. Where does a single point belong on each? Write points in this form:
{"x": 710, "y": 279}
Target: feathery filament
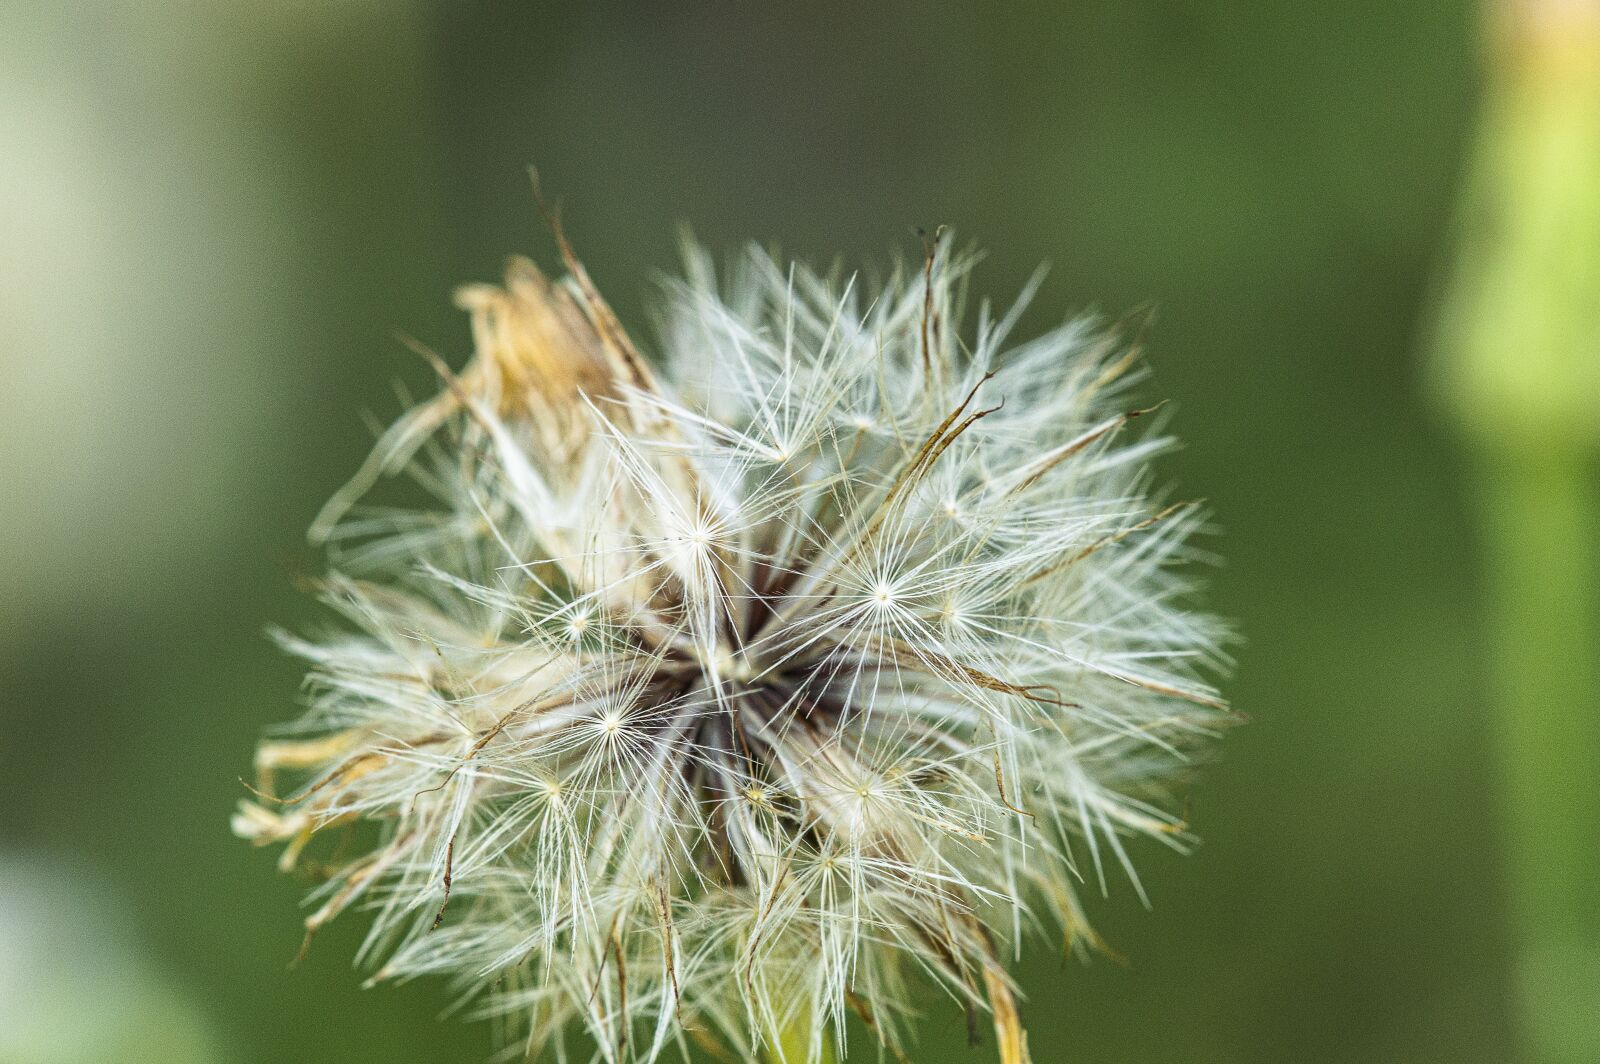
{"x": 728, "y": 694}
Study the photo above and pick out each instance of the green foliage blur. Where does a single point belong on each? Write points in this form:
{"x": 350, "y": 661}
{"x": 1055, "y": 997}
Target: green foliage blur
{"x": 215, "y": 216}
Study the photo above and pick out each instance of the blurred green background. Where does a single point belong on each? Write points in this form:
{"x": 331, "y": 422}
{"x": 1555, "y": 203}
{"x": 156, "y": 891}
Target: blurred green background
{"x": 215, "y": 215}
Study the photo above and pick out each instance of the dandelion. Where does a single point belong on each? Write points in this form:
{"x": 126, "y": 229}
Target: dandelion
{"x": 714, "y": 699}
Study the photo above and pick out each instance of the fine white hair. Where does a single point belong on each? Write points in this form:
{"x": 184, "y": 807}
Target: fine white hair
{"x": 735, "y": 692}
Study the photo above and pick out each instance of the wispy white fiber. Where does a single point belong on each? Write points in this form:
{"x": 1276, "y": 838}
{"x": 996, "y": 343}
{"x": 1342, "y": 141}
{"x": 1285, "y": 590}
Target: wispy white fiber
{"x": 836, "y": 649}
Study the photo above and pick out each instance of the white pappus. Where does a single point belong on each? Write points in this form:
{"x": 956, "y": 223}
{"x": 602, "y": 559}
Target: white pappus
{"x": 713, "y": 699}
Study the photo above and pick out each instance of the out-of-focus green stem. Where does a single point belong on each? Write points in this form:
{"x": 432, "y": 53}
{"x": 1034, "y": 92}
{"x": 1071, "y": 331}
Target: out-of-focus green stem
{"x": 793, "y": 1043}
{"x": 1518, "y": 362}
{"x": 1542, "y": 520}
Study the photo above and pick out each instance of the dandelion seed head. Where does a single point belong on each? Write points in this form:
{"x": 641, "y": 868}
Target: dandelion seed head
{"x": 840, "y": 645}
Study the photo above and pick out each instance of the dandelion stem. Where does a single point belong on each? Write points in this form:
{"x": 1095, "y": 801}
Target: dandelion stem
{"x": 1542, "y": 520}
{"x": 1519, "y": 362}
